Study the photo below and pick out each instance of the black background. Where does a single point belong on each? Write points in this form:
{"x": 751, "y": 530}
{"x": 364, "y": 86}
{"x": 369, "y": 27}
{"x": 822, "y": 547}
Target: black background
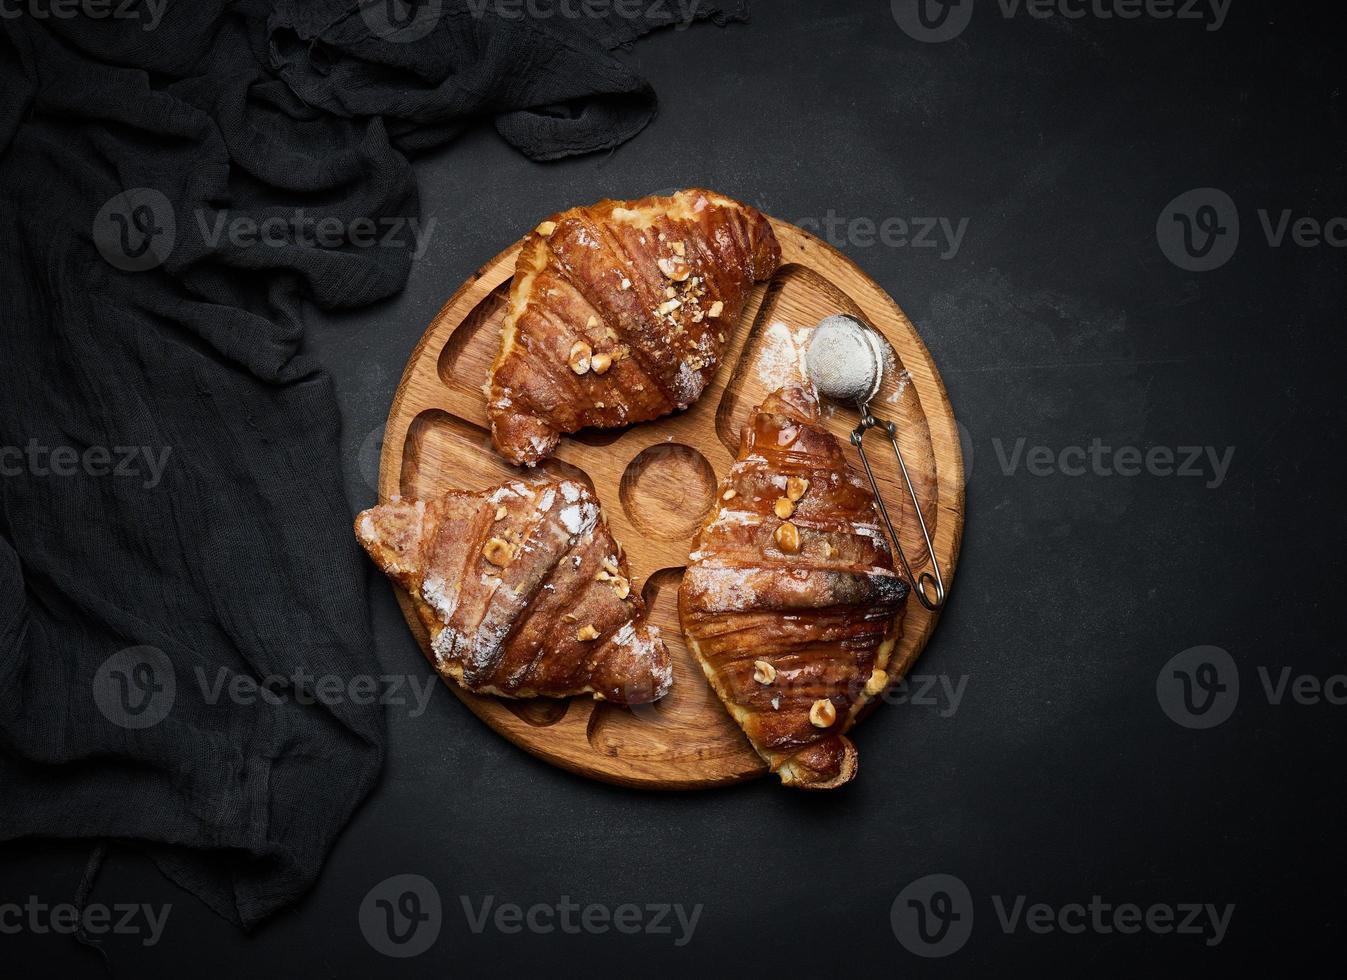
{"x": 1058, "y": 321}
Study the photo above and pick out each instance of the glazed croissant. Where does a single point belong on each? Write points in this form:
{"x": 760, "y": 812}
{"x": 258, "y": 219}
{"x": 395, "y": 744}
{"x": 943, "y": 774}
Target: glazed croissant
{"x": 790, "y": 601}
{"x": 619, "y": 313}
{"x": 523, "y": 590}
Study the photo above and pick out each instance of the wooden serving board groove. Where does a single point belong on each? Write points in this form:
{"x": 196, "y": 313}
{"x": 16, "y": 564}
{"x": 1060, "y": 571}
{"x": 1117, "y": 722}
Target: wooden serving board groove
{"x": 657, "y": 481}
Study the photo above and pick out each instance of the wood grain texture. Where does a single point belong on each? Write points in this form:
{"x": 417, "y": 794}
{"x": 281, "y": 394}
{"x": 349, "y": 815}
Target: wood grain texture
{"x": 657, "y": 480}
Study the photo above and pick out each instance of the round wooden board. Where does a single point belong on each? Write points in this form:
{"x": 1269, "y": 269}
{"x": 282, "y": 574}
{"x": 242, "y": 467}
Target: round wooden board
{"x": 657, "y": 480}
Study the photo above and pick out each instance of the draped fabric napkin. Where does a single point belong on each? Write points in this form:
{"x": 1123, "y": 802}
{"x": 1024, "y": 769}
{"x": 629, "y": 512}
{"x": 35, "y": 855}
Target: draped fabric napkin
{"x": 185, "y": 654}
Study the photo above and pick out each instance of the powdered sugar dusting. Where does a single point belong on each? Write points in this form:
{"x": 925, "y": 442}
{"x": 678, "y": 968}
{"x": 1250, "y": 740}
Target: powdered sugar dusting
{"x": 579, "y": 518}
{"x": 435, "y": 591}
{"x": 780, "y": 362}
{"x": 904, "y": 379}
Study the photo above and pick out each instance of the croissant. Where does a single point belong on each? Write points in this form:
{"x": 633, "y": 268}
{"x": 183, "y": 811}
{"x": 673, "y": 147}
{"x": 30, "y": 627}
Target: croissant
{"x": 523, "y": 591}
{"x": 619, "y": 313}
{"x": 790, "y": 602}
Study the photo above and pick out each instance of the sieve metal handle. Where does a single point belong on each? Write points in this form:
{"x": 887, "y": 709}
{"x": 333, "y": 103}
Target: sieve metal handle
{"x": 926, "y": 582}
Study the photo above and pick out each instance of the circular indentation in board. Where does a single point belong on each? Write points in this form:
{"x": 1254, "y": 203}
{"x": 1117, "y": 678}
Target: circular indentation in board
{"x": 667, "y": 490}
{"x": 437, "y": 437}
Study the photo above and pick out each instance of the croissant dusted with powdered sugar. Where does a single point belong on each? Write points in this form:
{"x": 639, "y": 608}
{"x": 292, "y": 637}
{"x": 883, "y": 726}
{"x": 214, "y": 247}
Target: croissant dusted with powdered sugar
{"x": 790, "y": 602}
{"x": 619, "y": 313}
{"x": 523, "y": 590}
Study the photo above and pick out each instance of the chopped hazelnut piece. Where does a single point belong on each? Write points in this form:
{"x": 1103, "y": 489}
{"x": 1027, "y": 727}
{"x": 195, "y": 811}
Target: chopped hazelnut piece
{"x": 674, "y": 268}
{"x": 679, "y": 249}
{"x": 592, "y": 322}
{"x": 546, "y": 228}
{"x": 600, "y": 363}
{"x": 579, "y": 359}
{"x": 501, "y": 512}
{"x": 716, "y": 309}
{"x": 788, "y": 538}
{"x": 729, "y": 494}
{"x": 668, "y": 306}
{"x": 568, "y": 618}
{"x": 822, "y": 713}
{"x": 783, "y": 507}
{"x": 585, "y": 633}
{"x": 621, "y": 586}
{"x": 626, "y": 283}
{"x": 878, "y": 680}
{"x": 796, "y": 487}
{"x": 763, "y": 672}
{"x": 497, "y": 551}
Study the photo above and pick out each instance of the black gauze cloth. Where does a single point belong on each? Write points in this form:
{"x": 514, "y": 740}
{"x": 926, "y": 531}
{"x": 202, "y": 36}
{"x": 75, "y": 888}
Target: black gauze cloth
{"x": 171, "y": 513}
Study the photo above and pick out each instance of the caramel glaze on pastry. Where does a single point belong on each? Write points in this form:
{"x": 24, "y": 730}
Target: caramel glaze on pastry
{"x": 523, "y": 590}
{"x": 619, "y": 313}
{"x": 790, "y": 602}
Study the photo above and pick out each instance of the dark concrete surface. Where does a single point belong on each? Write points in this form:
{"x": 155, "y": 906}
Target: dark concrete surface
{"x": 1058, "y": 320}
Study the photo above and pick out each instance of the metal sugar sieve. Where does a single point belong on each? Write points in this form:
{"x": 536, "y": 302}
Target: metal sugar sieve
{"x": 845, "y": 361}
